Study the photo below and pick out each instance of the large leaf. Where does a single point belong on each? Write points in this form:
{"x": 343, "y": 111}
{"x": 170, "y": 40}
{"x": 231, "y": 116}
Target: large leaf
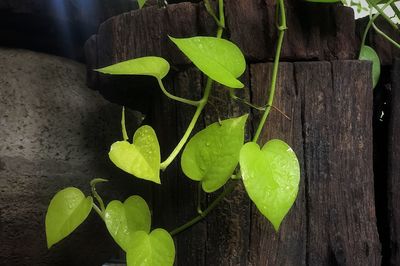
{"x": 212, "y": 154}
{"x": 219, "y": 59}
{"x": 271, "y": 177}
{"x": 156, "y": 249}
{"x": 124, "y": 219}
{"x": 67, "y": 210}
{"x": 369, "y": 54}
{"x": 149, "y": 66}
{"x": 141, "y": 158}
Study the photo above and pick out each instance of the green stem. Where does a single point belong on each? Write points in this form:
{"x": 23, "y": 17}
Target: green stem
{"x": 221, "y": 18}
{"x": 95, "y": 194}
{"x": 282, "y": 28}
{"x": 176, "y": 98}
{"x": 395, "y": 10}
{"x": 124, "y": 133}
{"x": 371, "y": 21}
{"x": 99, "y": 212}
{"x": 190, "y": 128}
{"x": 236, "y": 98}
{"x": 382, "y": 13}
{"x": 385, "y": 36}
{"x": 230, "y": 187}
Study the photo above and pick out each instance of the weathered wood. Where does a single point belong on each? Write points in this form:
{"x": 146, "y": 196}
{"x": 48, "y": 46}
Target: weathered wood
{"x": 337, "y": 117}
{"x": 288, "y": 246}
{"x": 394, "y": 167}
{"x": 315, "y": 32}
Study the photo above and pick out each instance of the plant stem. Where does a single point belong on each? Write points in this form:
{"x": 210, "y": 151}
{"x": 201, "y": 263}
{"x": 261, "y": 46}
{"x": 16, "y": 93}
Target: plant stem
{"x": 190, "y": 128}
{"x": 176, "y": 98}
{"x": 230, "y": 187}
{"x": 282, "y": 28}
{"x": 124, "y": 133}
{"x": 99, "y": 212}
{"x": 385, "y": 36}
{"x": 395, "y": 9}
{"x": 382, "y": 13}
{"x": 371, "y": 21}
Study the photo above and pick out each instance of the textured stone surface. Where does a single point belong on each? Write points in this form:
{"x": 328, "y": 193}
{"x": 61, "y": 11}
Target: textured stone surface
{"x": 55, "y": 133}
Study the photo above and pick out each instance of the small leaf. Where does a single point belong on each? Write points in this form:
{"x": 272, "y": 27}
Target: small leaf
{"x": 154, "y": 66}
{"x": 124, "y": 219}
{"x": 369, "y": 54}
{"x": 67, "y": 210}
{"x": 141, "y": 158}
{"x": 271, "y": 177}
{"x": 212, "y": 154}
{"x": 156, "y": 249}
{"x": 141, "y": 3}
{"x": 219, "y": 59}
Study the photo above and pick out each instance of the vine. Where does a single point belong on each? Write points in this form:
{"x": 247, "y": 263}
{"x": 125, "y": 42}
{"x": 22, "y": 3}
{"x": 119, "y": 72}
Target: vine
{"x": 216, "y": 157}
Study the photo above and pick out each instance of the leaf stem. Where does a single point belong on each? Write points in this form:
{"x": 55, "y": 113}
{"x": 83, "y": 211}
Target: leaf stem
{"x": 190, "y": 128}
{"x": 371, "y": 21}
{"x": 230, "y": 187}
{"x": 382, "y": 13}
{"x": 95, "y": 194}
{"x": 395, "y": 9}
{"x": 97, "y": 209}
{"x": 176, "y": 98}
{"x": 282, "y": 28}
{"x": 384, "y": 35}
{"x": 124, "y": 133}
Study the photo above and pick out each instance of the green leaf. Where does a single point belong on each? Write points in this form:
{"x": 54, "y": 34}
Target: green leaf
{"x": 67, "y": 210}
{"x": 271, "y": 177}
{"x": 141, "y": 3}
{"x": 124, "y": 219}
{"x": 219, "y": 59}
{"x": 154, "y": 66}
{"x": 156, "y": 249}
{"x": 212, "y": 154}
{"x": 141, "y": 158}
{"x": 369, "y": 54}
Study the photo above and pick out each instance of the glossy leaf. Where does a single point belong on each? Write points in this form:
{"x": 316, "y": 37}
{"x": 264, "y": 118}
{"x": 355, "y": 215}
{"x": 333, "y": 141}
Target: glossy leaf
{"x": 141, "y": 3}
{"x": 141, "y": 158}
{"x": 212, "y": 154}
{"x": 124, "y": 219}
{"x": 149, "y": 66}
{"x": 219, "y": 59}
{"x": 155, "y": 249}
{"x": 369, "y": 54}
{"x": 67, "y": 210}
{"x": 271, "y": 177}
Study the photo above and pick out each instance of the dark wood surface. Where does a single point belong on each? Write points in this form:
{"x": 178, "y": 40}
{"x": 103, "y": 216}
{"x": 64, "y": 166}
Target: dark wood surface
{"x": 394, "y": 168}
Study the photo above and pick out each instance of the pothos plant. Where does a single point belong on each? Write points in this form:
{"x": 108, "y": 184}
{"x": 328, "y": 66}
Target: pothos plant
{"x": 216, "y": 157}
{"x": 378, "y": 7}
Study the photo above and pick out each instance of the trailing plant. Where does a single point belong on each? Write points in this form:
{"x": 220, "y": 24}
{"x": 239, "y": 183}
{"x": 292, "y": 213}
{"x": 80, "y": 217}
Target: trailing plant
{"x": 375, "y": 8}
{"x": 216, "y": 157}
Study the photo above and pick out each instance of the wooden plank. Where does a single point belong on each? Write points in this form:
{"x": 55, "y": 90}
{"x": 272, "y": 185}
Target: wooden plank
{"x": 337, "y": 120}
{"x": 228, "y": 225}
{"x": 394, "y": 167}
{"x": 288, "y": 246}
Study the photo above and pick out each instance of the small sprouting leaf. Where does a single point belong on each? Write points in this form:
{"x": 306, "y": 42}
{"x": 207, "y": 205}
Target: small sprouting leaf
{"x": 271, "y": 177}
{"x": 219, "y": 59}
{"x": 154, "y": 66}
{"x": 67, "y": 210}
{"x": 369, "y": 54}
{"x": 212, "y": 154}
{"x": 155, "y": 249}
{"x": 141, "y": 3}
{"x": 141, "y": 158}
{"x": 124, "y": 219}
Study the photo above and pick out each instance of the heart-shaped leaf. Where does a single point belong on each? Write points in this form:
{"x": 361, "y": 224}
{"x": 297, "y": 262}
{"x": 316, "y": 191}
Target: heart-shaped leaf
{"x": 212, "y": 154}
{"x": 67, "y": 210}
{"x": 149, "y": 66}
{"x": 271, "y": 177}
{"x": 155, "y": 249}
{"x": 141, "y": 158}
{"x": 369, "y": 54}
{"x": 219, "y": 59}
{"x": 124, "y": 219}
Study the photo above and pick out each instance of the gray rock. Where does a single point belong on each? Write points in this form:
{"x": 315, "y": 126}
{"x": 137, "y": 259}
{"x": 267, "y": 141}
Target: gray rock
{"x": 55, "y": 133}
